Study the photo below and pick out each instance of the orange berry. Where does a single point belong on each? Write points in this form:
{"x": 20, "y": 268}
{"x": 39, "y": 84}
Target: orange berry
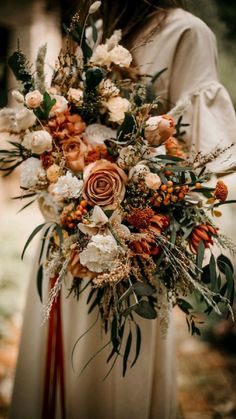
{"x": 83, "y": 204}
{"x": 170, "y": 183}
{"x": 163, "y": 188}
{"x": 198, "y": 185}
{"x": 170, "y": 190}
{"x": 84, "y": 211}
{"x": 78, "y": 213}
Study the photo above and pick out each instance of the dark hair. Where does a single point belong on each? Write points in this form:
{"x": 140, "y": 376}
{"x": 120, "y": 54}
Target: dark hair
{"x": 128, "y": 16}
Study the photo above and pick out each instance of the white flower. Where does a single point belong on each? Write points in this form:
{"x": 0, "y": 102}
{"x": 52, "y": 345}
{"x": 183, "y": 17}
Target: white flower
{"x": 100, "y": 254}
{"x": 138, "y": 171}
{"x": 38, "y": 141}
{"x": 120, "y": 56}
{"x": 117, "y": 106}
{"x": 75, "y": 95}
{"x": 98, "y": 220}
{"x": 114, "y": 40}
{"x": 31, "y": 171}
{"x": 33, "y": 99}
{"x": 94, "y": 7}
{"x": 96, "y": 134}
{"x": 108, "y": 89}
{"x": 18, "y": 96}
{"x": 60, "y": 105}
{"x": 128, "y": 157}
{"x": 153, "y": 181}
{"x": 68, "y": 186}
{"x": 101, "y": 56}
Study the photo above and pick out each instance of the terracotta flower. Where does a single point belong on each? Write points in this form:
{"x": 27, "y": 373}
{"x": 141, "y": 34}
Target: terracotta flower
{"x": 75, "y": 151}
{"x": 104, "y": 184}
{"x": 221, "y": 191}
{"x": 202, "y": 232}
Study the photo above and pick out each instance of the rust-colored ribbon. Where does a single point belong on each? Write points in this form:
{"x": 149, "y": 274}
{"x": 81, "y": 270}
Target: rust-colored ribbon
{"x": 54, "y": 367}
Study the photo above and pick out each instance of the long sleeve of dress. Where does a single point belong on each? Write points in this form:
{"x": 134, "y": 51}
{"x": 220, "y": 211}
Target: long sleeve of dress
{"x": 194, "y": 77}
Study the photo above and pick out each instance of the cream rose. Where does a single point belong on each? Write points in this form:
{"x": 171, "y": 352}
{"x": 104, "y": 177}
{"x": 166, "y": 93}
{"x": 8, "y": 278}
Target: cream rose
{"x": 117, "y": 106}
{"x": 120, "y": 56}
{"x": 31, "y": 171}
{"x": 128, "y": 156}
{"x": 153, "y": 181}
{"x": 158, "y": 129}
{"x": 104, "y": 184}
{"x": 138, "y": 171}
{"x": 60, "y": 106}
{"x": 33, "y": 99}
{"x": 53, "y": 173}
{"x": 38, "y": 141}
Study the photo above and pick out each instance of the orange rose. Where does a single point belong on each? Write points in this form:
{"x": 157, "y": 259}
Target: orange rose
{"x": 158, "y": 129}
{"x": 74, "y": 151}
{"x": 104, "y": 184}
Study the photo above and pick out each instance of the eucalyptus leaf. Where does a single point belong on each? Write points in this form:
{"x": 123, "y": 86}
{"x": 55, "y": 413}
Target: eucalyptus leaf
{"x": 127, "y": 352}
{"x": 40, "y": 282}
{"x": 200, "y": 254}
{"x": 142, "y": 289}
{"x": 146, "y": 310}
{"x": 36, "y": 230}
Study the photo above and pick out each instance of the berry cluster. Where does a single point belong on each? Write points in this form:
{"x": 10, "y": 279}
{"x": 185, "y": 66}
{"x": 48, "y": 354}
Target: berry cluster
{"x": 72, "y": 215}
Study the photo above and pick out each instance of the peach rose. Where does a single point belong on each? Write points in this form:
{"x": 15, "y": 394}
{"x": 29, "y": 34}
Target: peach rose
{"x": 75, "y": 151}
{"x": 33, "y": 99}
{"x": 153, "y": 181}
{"x": 104, "y": 184}
{"x": 158, "y": 129}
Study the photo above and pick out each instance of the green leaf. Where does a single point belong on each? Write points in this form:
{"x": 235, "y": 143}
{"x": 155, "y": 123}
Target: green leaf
{"x": 158, "y": 74}
{"x": 146, "y": 310}
{"x": 94, "y": 30}
{"x": 127, "y": 352}
{"x": 200, "y": 254}
{"x": 230, "y": 283}
{"x": 184, "y": 305}
{"x": 59, "y": 232}
{"x": 43, "y": 243}
{"x": 127, "y": 127}
{"x": 213, "y": 274}
{"x": 169, "y": 159}
{"x": 206, "y": 276}
{"x": 222, "y": 262}
{"x": 138, "y": 344}
{"x": 142, "y": 289}
{"x": 40, "y": 282}
{"x": 36, "y": 230}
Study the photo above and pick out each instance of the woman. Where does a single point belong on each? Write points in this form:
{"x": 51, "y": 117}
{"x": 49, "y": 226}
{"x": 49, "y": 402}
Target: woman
{"x": 162, "y": 35}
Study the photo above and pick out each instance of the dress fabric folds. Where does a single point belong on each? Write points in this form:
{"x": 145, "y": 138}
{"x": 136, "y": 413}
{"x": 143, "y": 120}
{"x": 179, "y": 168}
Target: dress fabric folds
{"x": 186, "y": 47}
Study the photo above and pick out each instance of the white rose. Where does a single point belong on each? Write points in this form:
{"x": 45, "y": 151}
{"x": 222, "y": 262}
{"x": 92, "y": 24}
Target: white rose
{"x": 38, "y": 141}
{"x": 18, "y": 96}
{"x": 138, "y": 171}
{"x": 101, "y": 56}
{"x": 31, "y": 171}
{"x": 120, "y": 56}
{"x": 75, "y": 95}
{"x": 60, "y": 106}
{"x": 117, "y": 106}
{"x": 68, "y": 186}
{"x": 128, "y": 156}
{"x": 33, "y": 99}
{"x": 100, "y": 254}
{"x": 153, "y": 181}
{"x": 96, "y": 134}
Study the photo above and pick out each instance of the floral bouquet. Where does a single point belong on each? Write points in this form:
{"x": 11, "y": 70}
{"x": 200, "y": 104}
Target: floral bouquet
{"x": 125, "y": 217}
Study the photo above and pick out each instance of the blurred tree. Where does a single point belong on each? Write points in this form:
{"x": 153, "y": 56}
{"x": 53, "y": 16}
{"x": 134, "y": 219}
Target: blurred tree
{"x": 227, "y": 12}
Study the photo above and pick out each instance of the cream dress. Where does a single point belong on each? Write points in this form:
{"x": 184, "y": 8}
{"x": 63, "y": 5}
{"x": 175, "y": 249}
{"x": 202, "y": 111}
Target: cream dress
{"x": 186, "y": 46}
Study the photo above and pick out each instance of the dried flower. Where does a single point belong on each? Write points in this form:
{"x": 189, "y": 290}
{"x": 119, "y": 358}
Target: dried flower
{"x": 221, "y": 191}
{"x": 31, "y": 171}
{"x": 140, "y": 218}
{"x": 104, "y": 184}
{"x": 202, "y": 232}
{"x": 158, "y": 129}
{"x": 153, "y": 181}
{"x": 94, "y": 7}
{"x": 68, "y": 186}
{"x": 117, "y": 106}
{"x": 53, "y": 173}
{"x": 100, "y": 254}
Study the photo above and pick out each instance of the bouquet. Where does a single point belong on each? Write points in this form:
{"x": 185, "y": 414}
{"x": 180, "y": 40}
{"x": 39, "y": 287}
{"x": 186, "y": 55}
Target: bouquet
{"x": 129, "y": 222}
